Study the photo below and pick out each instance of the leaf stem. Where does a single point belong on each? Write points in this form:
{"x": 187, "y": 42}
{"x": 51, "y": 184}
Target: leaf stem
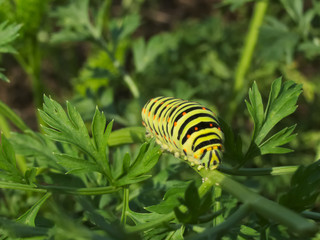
{"x": 12, "y": 116}
{"x": 127, "y": 135}
{"x": 59, "y": 189}
{"x": 20, "y": 186}
{"x": 247, "y": 52}
{"x": 125, "y": 205}
{"x": 259, "y": 171}
{"x": 217, "y": 206}
{"x": 259, "y": 204}
{"x": 230, "y": 222}
{"x": 82, "y": 191}
{"x": 126, "y": 77}
{"x": 157, "y": 222}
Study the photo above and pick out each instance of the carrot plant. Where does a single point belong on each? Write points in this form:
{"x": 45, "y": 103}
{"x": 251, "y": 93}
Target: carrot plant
{"x": 89, "y": 184}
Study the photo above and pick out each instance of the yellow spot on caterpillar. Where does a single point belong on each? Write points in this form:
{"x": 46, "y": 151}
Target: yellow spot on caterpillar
{"x": 209, "y": 148}
{"x": 168, "y": 119}
{"x": 149, "y": 114}
{"x": 201, "y": 151}
{"x": 195, "y": 156}
{"x": 154, "y": 117}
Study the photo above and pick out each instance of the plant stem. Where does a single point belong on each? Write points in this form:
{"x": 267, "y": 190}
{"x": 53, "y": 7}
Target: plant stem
{"x": 4, "y": 126}
{"x": 217, "y": 206}
{"x": 126, "y": 77}
{"x": 125, "y": 205}
{"x": 32, "y": 68}
{"x": 127, "y": 135}
{"x": 230, "y": 222}
{"x": 19, "y": 186}
{"x": 259, "y": 204}
{"x": 82, "y": 191}
{"x": 259, "y": 171}
{"x": 311, "y": 215}
{"x": 149, "y": 225}
{"x": 12, "y": 116}
{"x": 247, "y": 52}
{"x": 59, "y": 189}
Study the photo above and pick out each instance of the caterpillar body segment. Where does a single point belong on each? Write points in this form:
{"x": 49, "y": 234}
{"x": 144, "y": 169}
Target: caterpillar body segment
{"x": 186, "y": 129}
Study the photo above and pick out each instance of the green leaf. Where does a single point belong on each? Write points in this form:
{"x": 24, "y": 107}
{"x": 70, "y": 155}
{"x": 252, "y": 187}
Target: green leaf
{"x": 146, "y": 159}
{"x": 127, "y": 135}
{"x": 196, "y": 206}
{"x": 280, "y": 138}
{"x": 29, "y": 216}
{"x": 255, "y": 108}
{"x": 232, "y": 144}
{"x": 294, "y": 9}
{"x": 31, "y": 144}
{"x": 70, "y": 128}
{"x": 101, "y": 133}
{"x": 141, "y": 218}
{"x": 170, "y": 199}
{"x": 144, "y": 54}
{"x": 7, "y": 112}
{"x": 74, "y": 22}
{"x": 305, "y": 188}
{"x": 8, "y": 33}
{"x": 66, "y": 128}
{"x": 2, "y": 76}
{"x": 281, "y": 103}
{"x": 8, "y": 168}
{"x": 75, "y": 164}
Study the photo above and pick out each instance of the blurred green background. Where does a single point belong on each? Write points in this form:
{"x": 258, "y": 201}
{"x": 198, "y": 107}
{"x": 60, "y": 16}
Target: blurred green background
{"x": 118, "y": 54}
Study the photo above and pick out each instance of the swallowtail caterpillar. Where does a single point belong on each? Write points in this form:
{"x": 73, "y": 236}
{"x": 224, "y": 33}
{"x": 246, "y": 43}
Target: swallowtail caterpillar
{"x": 186, "y": 129}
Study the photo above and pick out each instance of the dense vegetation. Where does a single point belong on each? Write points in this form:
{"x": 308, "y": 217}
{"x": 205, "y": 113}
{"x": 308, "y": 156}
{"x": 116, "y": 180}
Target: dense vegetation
{"x": 77, "y": 164}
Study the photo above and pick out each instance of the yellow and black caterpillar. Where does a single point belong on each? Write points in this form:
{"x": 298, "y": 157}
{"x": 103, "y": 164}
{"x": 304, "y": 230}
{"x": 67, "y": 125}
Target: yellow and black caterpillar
{"x": 185, "y": 128}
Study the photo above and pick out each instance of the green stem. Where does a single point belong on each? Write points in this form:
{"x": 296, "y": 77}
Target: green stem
{"x": 127, "y": 135}
{"x": 259, "y": 204}
{"x": 311, "y": 215}
{"x": 247, "y": 52}
{"x": 256, "y": 203}
{"x": 67, "y": 190}
{"x": 19, "y": 186}
{"x": 126, "y": 77}
{"x": 203, "y": 189}
{"x": 125, "y": 205}
{"x": 82, "y": 191}
{"x": 32, "y": 68}
{"x": 217, "y": 206}
{"x": 12, "y": 116}
{"x": 259, "y": 171}
{"x": 153, "y": 224}
{"x": 225, "y": 226}
{"x": 4, "y": 126}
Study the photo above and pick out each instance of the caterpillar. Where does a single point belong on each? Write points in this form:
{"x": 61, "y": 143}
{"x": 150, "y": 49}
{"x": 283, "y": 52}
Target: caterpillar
{"x": 186, "y": 129}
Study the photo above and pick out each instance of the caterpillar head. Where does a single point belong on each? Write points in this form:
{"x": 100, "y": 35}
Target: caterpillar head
{"x": 210, "y": 158}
